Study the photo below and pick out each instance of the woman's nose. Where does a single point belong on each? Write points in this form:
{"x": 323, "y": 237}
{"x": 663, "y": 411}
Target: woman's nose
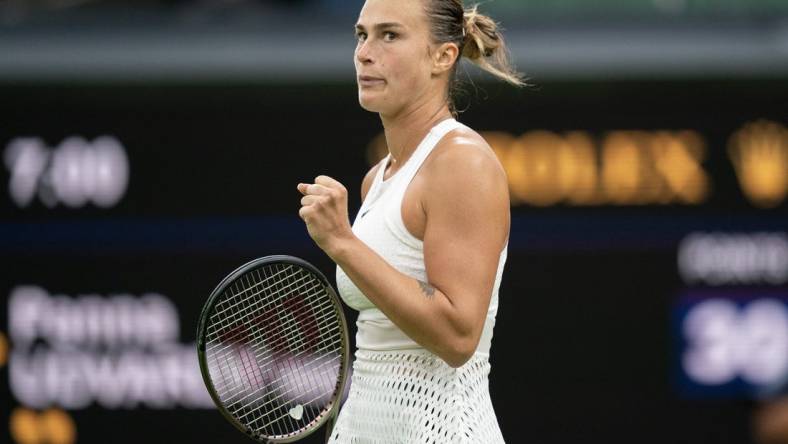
{"x": 363, "y": 53}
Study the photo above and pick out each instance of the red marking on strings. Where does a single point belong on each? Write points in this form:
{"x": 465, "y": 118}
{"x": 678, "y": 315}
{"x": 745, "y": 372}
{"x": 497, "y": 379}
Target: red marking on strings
{"x": 244, "y": 354}
{"x": 270, "y": 322}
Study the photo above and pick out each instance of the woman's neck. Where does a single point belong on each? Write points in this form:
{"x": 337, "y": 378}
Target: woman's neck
{"x": 405, "y": 130}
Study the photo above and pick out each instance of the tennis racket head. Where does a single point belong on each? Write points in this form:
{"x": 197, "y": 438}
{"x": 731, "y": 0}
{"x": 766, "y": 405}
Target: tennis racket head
{"x": 273, "y": 348}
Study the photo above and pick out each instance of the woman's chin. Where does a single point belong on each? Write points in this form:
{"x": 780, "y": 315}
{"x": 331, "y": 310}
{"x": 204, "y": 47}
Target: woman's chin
{"x": 369, "y": 101}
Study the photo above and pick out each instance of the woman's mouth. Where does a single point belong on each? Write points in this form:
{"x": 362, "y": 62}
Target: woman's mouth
{"x": 369, "y": 81}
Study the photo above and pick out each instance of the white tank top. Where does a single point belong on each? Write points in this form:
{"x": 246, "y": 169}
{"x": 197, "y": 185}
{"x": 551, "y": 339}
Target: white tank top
{"x": 379, "y": 225}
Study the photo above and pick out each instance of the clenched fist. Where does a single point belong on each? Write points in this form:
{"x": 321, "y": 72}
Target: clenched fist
{"x": 324, "y": 209}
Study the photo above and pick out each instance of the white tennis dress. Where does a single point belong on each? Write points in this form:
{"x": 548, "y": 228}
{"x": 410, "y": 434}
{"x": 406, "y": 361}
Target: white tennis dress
{"x": 400, "y": 392}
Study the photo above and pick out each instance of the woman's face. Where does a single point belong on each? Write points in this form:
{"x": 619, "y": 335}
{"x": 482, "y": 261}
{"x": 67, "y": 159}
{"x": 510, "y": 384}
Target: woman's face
{"x": 392, "y": 57}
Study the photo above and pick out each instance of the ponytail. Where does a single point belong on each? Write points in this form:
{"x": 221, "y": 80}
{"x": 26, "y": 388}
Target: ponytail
{"x": 478, "y": 37}
{"x": 483, "y": 44}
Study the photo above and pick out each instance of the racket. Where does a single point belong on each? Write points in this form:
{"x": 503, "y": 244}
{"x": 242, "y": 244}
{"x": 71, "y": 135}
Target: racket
{"x": 273, "y": 347}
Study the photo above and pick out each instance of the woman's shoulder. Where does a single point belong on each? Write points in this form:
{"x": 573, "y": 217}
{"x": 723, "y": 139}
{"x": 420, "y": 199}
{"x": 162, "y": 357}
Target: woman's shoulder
{"x": 463, "y": 152}
{"x": 465, "y": 184}
{"x": 464, "y": 166}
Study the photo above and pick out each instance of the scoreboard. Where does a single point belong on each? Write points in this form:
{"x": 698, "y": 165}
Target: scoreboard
{"x": 646, "y": 286}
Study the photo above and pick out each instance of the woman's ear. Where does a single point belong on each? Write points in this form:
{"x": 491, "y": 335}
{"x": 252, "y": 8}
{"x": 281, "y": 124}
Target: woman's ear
{"x": 444, "y": 57}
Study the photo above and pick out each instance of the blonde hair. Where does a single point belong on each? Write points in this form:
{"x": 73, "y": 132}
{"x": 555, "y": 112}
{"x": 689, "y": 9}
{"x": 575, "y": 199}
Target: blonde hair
{"x": 478, "y": 36}
{"x": 484, "y": 46}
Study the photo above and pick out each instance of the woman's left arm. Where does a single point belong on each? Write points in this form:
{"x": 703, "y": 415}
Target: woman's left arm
{"x": 467, "y": 224}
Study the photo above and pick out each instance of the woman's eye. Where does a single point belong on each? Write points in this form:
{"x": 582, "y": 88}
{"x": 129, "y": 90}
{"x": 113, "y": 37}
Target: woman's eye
{"x": 389, "y": 36}
{"x": 361, "y": 36}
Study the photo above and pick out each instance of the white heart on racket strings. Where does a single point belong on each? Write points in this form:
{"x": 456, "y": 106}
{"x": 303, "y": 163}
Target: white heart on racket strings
{"x": 297, "y": 412}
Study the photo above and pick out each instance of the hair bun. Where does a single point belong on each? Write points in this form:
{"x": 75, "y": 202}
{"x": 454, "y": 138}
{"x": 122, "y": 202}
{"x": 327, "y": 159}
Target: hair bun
{"x": 472, "y": 44}
{"x": 482, "y": 40}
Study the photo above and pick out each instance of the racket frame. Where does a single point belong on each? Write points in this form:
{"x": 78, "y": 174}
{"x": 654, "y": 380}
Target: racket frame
{"x": 330, "y": 416}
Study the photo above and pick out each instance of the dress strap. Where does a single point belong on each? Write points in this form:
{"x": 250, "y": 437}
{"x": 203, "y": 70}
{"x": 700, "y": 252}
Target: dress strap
{"x": 425, "y": 148}
{"x": 405, "y": 175}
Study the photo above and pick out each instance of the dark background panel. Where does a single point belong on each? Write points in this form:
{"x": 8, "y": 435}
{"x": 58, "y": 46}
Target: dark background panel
{"x": 582, "y": 348}
{"x": 199, "y": 150}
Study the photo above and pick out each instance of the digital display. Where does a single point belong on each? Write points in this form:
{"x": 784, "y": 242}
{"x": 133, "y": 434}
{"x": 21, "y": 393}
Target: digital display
{"x": 731, "y": 327}
{"x": 733, "y": 344}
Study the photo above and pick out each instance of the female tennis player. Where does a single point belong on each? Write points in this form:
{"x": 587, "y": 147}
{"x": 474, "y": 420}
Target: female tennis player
{"x": 423, "y": 259}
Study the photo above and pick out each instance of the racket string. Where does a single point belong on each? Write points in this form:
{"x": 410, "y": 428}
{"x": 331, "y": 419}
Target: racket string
{"x": 324, "y": 322}
{"x": 331, "y": 352}
{"x": 240, "y": 328}
{"x": 221, "y": 312}
{"x": 280, "y": 378}
{"x": 285, "y": 393}
{"x": 230, "y": 321}
{"x": 326, "y": 310}
{"x": 323, "y": 334}
{"x": 244, "y": 300}
{"x": 241, "y": 391}
{"x": 315, "y": 387}
{"x": 253, "y": 376}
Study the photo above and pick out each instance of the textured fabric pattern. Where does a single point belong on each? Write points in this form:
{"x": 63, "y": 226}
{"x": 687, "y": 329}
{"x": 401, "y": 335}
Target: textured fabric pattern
{"x": 415, "y": 397}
